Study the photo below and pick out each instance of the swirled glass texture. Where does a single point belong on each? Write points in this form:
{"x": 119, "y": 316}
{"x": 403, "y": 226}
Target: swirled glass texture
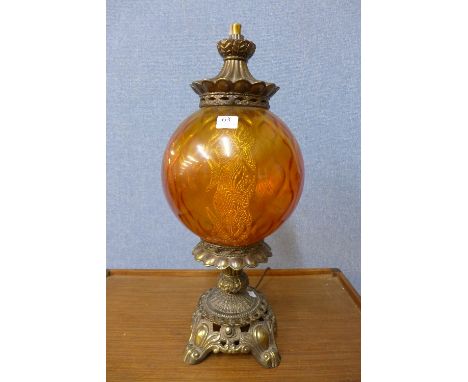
{"x": 234, "y": 186}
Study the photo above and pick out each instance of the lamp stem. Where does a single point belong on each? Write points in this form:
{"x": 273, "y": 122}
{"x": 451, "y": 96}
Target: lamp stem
{"x": 233, "y": 281}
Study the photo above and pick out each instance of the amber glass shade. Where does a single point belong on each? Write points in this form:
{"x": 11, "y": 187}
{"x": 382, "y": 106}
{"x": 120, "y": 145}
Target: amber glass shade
{"x": 236, "y": 186}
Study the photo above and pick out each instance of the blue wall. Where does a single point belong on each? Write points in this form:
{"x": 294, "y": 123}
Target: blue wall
{"x": 311, "y": 49}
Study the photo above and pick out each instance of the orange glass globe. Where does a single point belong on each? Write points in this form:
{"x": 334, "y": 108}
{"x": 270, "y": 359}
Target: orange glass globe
{"x": 232, "y": 186}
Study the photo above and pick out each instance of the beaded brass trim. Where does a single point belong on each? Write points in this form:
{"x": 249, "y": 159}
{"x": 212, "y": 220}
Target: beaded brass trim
{"x": 236, "y": 99}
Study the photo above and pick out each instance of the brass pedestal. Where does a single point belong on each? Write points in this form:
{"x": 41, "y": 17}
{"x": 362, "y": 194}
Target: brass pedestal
{"x": 233, "y": 317}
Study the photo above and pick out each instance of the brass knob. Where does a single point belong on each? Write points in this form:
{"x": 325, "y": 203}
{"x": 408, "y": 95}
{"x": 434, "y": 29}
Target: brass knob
{"x": 235, "y": 28}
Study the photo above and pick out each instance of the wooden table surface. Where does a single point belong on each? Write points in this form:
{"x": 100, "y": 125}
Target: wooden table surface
{"x": 149, "y": 315}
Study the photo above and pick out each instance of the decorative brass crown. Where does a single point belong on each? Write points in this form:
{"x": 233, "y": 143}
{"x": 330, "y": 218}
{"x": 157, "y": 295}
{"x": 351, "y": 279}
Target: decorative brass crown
{"x": 231, "y": 49}
{"x": 234, "y": 85}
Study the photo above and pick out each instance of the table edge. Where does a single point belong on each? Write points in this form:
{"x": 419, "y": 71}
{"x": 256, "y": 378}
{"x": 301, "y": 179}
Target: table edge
{"x": 334, "y": 272}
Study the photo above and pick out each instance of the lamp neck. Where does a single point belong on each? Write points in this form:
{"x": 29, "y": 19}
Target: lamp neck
{"x": 233, "y": 281}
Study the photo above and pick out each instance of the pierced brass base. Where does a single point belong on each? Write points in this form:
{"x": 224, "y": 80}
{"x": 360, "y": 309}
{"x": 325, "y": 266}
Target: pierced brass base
{"x": 233, "y": 318}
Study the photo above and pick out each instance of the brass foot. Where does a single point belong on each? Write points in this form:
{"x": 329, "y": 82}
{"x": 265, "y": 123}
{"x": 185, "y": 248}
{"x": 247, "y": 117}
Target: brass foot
{"x": 233, "y": 323}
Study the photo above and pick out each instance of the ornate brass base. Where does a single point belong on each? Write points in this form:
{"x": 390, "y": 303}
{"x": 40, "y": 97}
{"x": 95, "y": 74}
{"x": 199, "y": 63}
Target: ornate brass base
{"x": 233, "y": 318}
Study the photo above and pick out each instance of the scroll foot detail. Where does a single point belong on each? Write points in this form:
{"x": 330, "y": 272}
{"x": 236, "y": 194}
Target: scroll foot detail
{"x": 256, "y": 337}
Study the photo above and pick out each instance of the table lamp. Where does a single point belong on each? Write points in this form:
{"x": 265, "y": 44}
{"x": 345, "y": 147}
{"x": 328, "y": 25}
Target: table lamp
{"x": 233, "y": 173}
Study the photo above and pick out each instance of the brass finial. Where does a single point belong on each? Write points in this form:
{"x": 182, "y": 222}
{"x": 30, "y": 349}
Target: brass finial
{"x": 235, "y": 28}
{"x": 234, "y": 84}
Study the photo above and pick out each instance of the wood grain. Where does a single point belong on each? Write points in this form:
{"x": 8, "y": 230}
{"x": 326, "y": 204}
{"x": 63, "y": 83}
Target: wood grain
{"x": 149, "y": 314}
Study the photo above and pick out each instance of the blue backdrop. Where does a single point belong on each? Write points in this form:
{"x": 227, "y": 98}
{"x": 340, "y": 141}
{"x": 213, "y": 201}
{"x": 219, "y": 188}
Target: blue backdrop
{"x": 311, "y": 49}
